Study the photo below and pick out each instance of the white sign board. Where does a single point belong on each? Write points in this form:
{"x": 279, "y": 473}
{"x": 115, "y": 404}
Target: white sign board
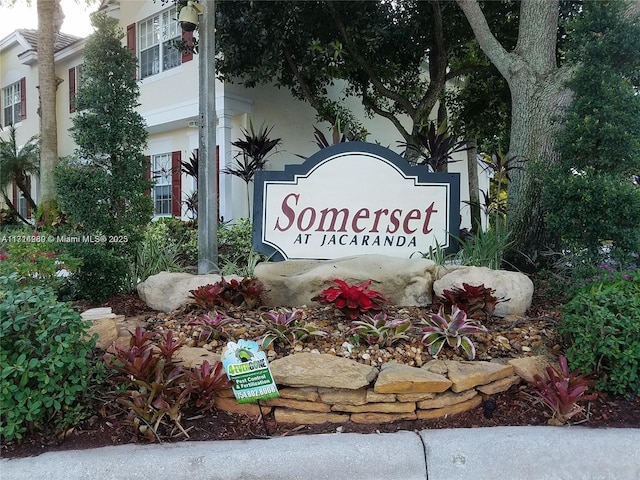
{"x": 354, "y": 198}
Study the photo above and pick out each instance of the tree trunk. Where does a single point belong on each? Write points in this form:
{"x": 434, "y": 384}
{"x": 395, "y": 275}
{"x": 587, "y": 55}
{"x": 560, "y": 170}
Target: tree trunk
{"x": 538, "y": 96}
{"x": 13, "y": 208}
{"x": 534, "y": 106}
{"x": 23, "y": 183}
{"x": 49, "y": 21}
{"x": 474, "y": 188}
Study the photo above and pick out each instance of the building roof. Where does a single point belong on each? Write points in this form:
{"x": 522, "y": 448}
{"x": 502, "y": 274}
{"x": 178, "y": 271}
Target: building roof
{"x": 63, "y": 40}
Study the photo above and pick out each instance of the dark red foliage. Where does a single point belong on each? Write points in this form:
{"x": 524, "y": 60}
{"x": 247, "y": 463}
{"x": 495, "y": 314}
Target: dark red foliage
{"x": 352, "y": 300}
{"x": 472, "y": 299}
{"x": 244, "y": 293}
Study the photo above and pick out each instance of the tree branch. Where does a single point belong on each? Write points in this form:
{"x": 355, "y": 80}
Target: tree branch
{"x": 438, "y": 60}
{"x": 633, "y": 11}
{"x": 366, "y": 66}
{"x": 369, "y": 103}
{"x": 304, "y": 88}
{"x": 488, "y": 42}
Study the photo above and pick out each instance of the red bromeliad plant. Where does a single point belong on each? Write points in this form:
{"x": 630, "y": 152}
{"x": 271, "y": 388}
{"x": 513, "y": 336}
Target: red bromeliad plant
{"x": 155, "y": 388}
{"x": 352, "y": 300}
{"x": 563, "y": 390}
{"x": 472, "y": 299}
{"x": 205, "y": 382}
{"x": 237, "y": 293}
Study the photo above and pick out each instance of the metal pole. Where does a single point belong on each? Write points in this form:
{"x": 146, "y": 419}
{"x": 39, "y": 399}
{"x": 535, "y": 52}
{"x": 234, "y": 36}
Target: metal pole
{"x": 207, "y": 171}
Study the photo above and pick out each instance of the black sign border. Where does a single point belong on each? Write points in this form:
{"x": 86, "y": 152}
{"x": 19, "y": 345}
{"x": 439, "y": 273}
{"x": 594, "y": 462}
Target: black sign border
{"x": 302, "y": 170}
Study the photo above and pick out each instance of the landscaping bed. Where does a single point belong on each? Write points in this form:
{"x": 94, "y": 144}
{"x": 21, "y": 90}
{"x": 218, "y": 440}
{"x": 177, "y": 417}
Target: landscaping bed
{"x": 533, "y": 334}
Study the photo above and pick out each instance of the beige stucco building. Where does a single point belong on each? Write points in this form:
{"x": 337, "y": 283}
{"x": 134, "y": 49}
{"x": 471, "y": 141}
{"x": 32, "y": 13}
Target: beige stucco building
{"x": 169, "y": 99}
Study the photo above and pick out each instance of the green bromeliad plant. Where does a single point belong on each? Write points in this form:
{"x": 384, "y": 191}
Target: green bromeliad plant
{"x": 380, "y": 329}
{"x": 286, "y": 327}
{"x": 454, "y": 330}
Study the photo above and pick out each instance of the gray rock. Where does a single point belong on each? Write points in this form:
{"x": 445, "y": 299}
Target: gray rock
{"x": 515, "y": 286}
{"x": 169, "y": 291}
{"x": 405, "y": 281}
{"x": 320, "y": 370}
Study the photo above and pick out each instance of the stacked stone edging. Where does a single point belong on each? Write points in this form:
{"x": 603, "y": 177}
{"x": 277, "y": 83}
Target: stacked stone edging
{"x": 319, "y": 388}
{"x": 396, "y": 392}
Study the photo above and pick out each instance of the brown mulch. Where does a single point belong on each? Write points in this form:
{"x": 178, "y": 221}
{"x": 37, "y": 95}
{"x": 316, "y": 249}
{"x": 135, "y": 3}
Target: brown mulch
{"x": 516, "y": 407}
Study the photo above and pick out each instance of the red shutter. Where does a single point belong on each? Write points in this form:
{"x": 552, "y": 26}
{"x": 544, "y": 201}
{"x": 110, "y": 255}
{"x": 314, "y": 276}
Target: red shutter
{"x": 131, "y": 45}
{"x": 72, "y": 89}
{"x": 23, "y": 98}
{"x": 187, "y": 38}
{"x": 176, "y": 184}
{"x": 131, "y": 38}
{"x": 147, "y": 171}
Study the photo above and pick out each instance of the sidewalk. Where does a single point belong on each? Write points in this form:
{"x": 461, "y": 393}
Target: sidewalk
{"x": 498, "y": 453}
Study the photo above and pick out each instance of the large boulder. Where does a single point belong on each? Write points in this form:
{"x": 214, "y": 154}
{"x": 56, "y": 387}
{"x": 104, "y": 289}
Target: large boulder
{"x": 169, "y": 291}
{"x": 514, "y": 286}
{"x": 405, "y": 281}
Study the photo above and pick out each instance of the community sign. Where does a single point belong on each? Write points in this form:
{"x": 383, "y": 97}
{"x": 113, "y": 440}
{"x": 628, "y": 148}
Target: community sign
{"x": 355, "y": 198}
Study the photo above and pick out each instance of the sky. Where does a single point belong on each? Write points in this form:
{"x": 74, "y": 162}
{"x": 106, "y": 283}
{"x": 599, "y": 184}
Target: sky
{"x": 22, "y": 15}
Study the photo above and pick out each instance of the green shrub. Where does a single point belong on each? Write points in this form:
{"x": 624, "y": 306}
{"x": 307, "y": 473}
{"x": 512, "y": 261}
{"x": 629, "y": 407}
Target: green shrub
{"x": 235, "y": 249}
{"x": 157, "y": 253}
{"x": 234, "y": 241}
{"x": 177, "y": 232}
{"x": 602, "y": 325}
{"x": 592, "y": 208}
{"x": 103, "y": 274}
{"x": 38, "y": 263}
{"x": 45, "y": 360}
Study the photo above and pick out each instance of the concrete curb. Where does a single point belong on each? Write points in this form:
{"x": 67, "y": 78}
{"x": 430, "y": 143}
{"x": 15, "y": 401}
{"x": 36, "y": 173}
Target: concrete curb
{"x": 514, "y": 453}
{"x": 327, "y": 457}
{"x": 533, "y": 453}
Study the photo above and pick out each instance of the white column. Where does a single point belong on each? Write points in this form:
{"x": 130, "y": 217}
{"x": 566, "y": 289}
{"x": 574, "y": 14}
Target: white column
{"x": 223, "y": 135}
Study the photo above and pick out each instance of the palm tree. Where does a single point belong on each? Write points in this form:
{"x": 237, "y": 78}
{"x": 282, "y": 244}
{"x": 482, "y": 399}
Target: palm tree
{"x": 15, "y": 166}
{"x": 50, "y": 17}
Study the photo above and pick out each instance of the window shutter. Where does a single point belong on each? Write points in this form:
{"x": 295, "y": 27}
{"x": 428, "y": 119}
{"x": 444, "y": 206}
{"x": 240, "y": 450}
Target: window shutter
{"x": 131, "y": 45}
{"x": 15, "y": 195}
{"x": 147, "y": 172}
{"x": 176, "y": 184}
{"x": 131, "y": 38}
{"x": 23, "y": 98}
{"x": 72, "y": 89}
{"x": 187, "y": 38}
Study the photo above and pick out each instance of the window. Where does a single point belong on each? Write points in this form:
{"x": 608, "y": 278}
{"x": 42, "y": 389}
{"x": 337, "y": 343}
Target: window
{"x": 13, "y": 103}
{"x": 161, "y": 174}
{"x": 22, "y": 206}
{"x": 155, "y": 38}
{"x": 20, "y": 201}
